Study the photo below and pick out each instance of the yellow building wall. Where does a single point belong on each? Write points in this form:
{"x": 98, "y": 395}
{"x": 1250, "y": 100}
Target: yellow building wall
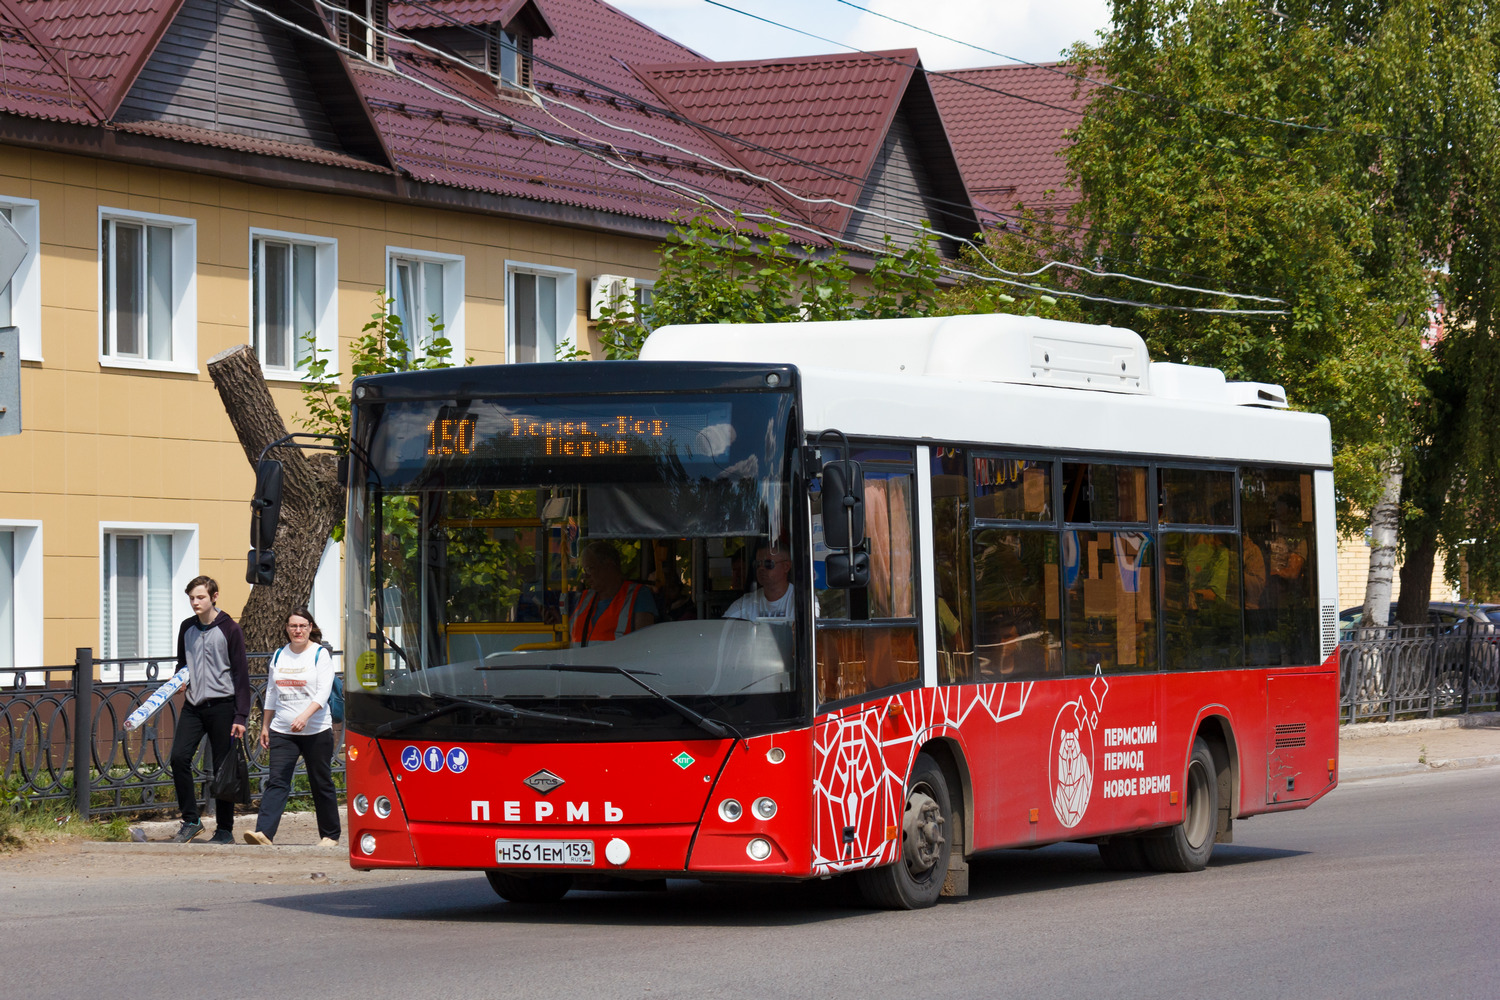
{"x": 110, "y": 444}
{"x": 1354, "y": 573}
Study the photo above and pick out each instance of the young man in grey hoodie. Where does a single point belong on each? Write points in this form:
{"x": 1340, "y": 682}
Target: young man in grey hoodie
{"x": 212, "y": 647}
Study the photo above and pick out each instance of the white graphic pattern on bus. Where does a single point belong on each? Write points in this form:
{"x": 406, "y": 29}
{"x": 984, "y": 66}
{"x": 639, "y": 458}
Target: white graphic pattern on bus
{"x": 864, "y": 755}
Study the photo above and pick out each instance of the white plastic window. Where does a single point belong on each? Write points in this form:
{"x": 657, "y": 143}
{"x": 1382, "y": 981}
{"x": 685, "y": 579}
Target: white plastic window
{"x": 292, "y": 283}
{"x": 426, "y": 292}
{"x": 542, "y": 303}
{"x": 147, "y": 291}
{"x": 21, "y": 298}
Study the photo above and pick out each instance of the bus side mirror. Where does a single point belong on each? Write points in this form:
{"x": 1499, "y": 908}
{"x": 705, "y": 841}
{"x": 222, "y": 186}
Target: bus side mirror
{"x": 847, "y": 563}
{"x": 844, "y": 570}
{"x": 265, "y": 515}
{"x": 843, "y": 505}
{"x": 260, "y": 567}
{"x": 265, "y": 506}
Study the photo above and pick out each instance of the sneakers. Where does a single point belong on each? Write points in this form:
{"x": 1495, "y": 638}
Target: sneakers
{"x": 221, "y": 837}
{"x": 186, "y": 832}
{"x": 256, "y": 837}
{"x": 328, "y": 842}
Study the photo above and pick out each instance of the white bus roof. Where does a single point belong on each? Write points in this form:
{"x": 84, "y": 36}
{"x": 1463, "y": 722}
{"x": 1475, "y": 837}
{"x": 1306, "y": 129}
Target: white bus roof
{"x": 1012, "y": 380}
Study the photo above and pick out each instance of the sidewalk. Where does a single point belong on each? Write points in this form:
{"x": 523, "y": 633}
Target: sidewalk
{"x": 1386, "y": 749}
{"x": 298, "y": 834}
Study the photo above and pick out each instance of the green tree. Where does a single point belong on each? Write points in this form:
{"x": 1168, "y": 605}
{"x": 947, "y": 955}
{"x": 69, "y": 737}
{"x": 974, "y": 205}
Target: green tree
{"x": 1338, "y": 158}
{"x": 758, "y": 274}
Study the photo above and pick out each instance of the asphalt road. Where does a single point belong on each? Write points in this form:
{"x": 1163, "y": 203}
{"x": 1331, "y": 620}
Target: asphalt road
{"x": 1384, "y": 889}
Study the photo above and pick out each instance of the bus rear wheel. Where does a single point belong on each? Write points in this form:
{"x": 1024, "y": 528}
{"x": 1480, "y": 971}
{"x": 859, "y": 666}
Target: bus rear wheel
{"x": 916, "y": 879}
{"x": 529, "y": 888}
{"x": 1186, "y": 847}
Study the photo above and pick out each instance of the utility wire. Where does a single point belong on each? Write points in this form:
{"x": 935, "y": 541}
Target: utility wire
{"x": 697, "y": 194}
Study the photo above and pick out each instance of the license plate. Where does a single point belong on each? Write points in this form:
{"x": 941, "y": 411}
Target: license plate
{"x": 544, "y": 852}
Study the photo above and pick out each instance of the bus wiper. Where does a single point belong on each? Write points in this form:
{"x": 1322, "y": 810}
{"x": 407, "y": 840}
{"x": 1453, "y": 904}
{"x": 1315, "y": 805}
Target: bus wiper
{"x": 381, "y": 636}
{"x": 452, "y": 703}
{"x": 719, "y": 729}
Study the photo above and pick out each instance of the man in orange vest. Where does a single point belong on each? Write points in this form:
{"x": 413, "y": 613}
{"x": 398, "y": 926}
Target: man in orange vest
{"x": 611, "y": 606}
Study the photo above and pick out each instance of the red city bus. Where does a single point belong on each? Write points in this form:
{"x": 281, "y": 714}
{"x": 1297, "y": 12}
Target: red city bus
{"x": 862, "y": 598}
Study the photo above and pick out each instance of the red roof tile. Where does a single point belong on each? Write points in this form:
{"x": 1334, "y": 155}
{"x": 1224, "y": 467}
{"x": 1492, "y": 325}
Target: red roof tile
{"x": 832, "y": 112}
{"x": 98, "y": 45}
{"x": 440, "y": 13}
{"x": 1007, "y": 126}
{"x": 34, "y": 85}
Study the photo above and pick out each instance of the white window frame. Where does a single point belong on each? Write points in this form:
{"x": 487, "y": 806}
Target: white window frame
{"x": 453, "y": 295}
{"x": 26, "y": 612}
{"x": 184, "y": 568}
{"x": 567, "y": 305}
{"x": 326, "y": 321}
{"x": 184, "y": 292}
{"x": 26, "y": 283}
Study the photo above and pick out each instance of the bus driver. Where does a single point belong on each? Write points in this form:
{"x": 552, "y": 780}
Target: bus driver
{"x": 612, "y": 606}
{"x": 772, "y": 596}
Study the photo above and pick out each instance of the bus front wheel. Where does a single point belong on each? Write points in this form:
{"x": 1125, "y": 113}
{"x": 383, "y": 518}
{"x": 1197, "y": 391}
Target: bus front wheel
{"x": 1187, "y": 846}
{"x": 529, "y": 888}
{"x": 916, "y": 879}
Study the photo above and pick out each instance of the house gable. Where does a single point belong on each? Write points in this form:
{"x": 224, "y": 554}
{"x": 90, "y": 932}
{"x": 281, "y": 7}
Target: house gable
{"x": 223, "y": 68}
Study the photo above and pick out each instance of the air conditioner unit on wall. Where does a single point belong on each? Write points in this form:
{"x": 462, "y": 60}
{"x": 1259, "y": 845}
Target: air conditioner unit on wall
{"x": 606, "y": 288}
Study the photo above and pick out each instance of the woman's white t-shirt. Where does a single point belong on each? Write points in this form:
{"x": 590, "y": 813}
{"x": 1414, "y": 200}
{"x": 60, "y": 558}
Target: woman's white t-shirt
{"x": 297, "y": 680}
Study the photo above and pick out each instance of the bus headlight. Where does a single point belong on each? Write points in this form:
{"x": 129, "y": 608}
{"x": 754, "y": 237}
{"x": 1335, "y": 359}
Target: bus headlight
{"x": 764, "y": 807}
{"x": 382, "y": 806}
{"x": 759, "y": 849}
{"x": 730, "y": 810}
{"x": 367, "y": 843}
{"x": 361, "y": 804}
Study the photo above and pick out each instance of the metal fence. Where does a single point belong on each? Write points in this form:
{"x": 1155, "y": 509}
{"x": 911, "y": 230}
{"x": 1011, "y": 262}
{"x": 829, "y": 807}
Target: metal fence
{"x": 1401, "y": 671}
{"x": 99, "y": 768}
{"x": 1405, "y": 671}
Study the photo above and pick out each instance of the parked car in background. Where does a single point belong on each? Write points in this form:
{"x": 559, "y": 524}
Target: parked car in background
{"x": 1448, "y": 615}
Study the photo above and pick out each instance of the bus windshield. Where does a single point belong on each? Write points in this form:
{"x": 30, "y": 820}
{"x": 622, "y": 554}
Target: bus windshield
{"x": 572, "y": 568}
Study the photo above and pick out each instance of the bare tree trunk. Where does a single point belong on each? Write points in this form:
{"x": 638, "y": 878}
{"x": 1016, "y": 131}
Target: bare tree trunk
{"x": 311, "y": 499}
{"x": 1383, "y": 525}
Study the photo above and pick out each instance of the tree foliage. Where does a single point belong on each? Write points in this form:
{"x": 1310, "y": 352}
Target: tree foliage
{"x": 759, "y": 274}
{"x": 1301, "y": 151}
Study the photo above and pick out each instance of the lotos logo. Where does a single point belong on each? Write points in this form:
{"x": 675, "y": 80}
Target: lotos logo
{"x": 1071, "y": 761}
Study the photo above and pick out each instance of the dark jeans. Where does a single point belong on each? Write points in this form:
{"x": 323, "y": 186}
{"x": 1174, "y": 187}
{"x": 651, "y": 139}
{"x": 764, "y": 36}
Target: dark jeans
{"x": 316, "y": 751}
{"x": 212, "y": 718}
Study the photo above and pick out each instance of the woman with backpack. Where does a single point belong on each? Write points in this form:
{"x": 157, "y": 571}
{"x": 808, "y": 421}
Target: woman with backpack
{"x": 295, "y": 722}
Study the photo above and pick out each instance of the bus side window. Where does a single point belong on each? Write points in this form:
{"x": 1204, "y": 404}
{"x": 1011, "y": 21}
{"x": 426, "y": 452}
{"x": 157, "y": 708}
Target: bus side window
{"x": 951, "y": 534}
{"x": 1279, "y": 539}
{"x": 1018, "y": 624}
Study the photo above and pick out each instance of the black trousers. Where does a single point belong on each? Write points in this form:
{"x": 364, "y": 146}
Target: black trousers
{"x": 316, "y": 751}
{"x": 212, "y": 718}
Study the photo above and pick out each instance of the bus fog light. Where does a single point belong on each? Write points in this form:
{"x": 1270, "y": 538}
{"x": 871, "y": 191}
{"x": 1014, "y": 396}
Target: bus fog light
{"x": 617, "y": 852}
{"x": 367, "y": 843}
{"x": 776, "y": 755}
{"x": 730, "y": 810}
{"x": 382, "y": 806}
{"x": 361, "y": 804}
{"x": 765, "y": 807}
{"x": 759, "y": 849}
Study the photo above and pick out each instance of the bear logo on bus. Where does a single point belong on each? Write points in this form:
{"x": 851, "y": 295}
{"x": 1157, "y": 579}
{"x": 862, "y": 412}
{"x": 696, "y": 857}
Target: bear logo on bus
{"x": 1072, "y": 763}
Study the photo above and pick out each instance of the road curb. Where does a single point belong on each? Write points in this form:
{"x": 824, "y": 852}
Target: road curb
{"x": 243, "y": 850}
{"x": 1369, "y": 730}
{"x": 1397, "y": 770}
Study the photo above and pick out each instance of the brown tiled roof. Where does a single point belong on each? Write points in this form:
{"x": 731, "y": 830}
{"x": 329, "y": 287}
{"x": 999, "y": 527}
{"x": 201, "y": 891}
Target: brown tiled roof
{"x": 441, "y": 13}
{"x": 98, "y": 46}
{"x": 828, "y": 115}
{"x": 585, "y": 140}
{"x": 1007, "y": 125}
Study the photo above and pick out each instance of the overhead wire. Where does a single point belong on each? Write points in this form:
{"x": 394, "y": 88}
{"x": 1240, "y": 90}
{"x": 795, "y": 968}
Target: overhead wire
{"x": 697, "y": 194}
